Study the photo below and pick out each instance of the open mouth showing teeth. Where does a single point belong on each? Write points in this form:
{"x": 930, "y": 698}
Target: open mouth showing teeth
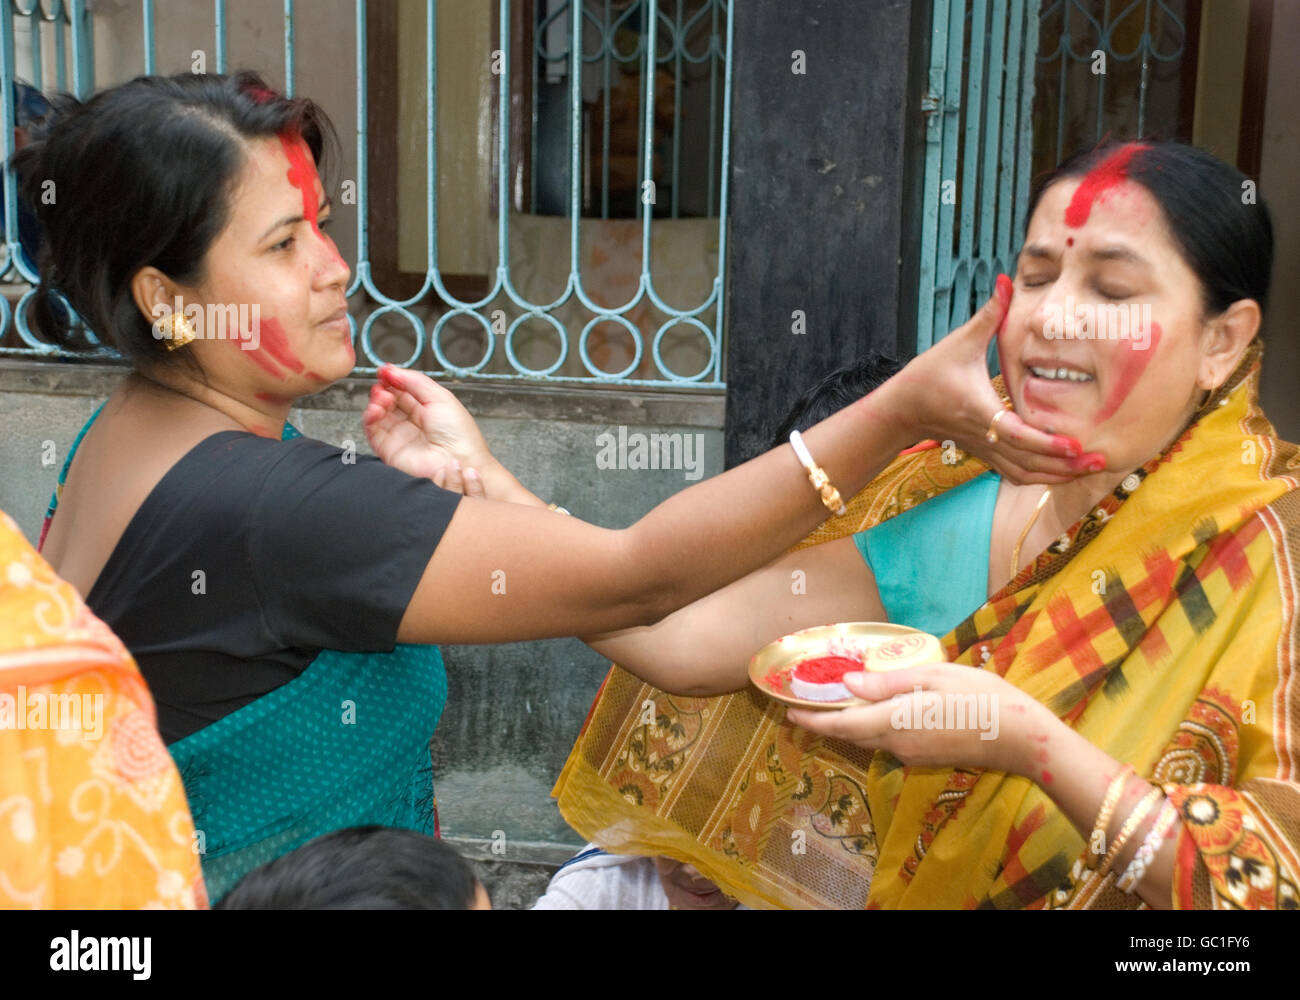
{"x": 1062, "y": 374}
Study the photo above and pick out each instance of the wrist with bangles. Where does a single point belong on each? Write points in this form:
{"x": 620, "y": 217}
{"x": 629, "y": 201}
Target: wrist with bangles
{"x": 830, "y": 496}
{"x": 1161, "y": 820}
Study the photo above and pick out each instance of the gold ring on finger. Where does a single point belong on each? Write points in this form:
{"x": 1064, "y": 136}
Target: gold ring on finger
{"x": 991, "y": 435}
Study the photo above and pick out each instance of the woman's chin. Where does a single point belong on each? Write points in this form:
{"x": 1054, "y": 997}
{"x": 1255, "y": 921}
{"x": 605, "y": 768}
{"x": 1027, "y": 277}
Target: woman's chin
{"x": 1053, "y": 421}
{"x": 329, "y": 369}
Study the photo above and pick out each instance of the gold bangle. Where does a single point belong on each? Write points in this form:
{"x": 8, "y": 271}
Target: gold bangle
{"x": 1108, "y": 803}
{"x": 557, "y": 509}
{"x": 817, "y": 476}
{"x": 1134, "y": 819}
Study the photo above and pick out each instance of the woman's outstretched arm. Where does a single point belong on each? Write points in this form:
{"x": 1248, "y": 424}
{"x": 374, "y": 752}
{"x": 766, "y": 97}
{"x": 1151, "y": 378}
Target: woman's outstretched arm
{"x": 705, "y": 647}
{"x": 506, "y": 572}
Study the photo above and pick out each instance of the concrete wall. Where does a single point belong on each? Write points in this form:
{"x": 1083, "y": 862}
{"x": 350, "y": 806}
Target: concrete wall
{"x": 513, "y": 710}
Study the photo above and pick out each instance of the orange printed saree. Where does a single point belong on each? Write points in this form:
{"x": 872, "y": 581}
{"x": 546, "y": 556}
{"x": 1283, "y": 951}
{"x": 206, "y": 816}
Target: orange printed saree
{"x": 92, "y": 812}
{"x": 1163, "y": 627}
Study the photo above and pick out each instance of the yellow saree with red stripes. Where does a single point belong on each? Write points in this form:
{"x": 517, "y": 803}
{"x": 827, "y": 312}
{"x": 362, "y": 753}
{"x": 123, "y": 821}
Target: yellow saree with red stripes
{"x": 1162, "y": 626}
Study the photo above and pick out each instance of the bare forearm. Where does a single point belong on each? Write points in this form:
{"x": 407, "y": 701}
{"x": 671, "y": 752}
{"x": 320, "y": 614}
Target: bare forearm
{"x": 1076, "y": 773}
{"x": 705, "y": 648}
{"x": 763, "y": 507}
{"x": 500, "y": 484}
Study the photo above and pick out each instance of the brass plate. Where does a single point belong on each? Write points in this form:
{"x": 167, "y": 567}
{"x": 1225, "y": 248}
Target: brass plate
{"x": 882, "y": 645}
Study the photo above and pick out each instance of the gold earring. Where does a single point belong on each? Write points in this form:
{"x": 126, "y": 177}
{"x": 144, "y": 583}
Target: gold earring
{"x": 176, "y": 330}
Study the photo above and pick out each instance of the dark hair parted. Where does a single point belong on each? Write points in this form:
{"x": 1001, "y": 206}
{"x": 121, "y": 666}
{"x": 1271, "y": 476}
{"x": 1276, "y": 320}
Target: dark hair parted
{"x": 360, "y": 868}
{"x": 143, "y": 175}
{"x": 1225, "y": 237}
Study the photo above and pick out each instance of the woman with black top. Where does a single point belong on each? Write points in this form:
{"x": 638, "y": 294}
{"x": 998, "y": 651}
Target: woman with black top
{"x": 280, "y": 594}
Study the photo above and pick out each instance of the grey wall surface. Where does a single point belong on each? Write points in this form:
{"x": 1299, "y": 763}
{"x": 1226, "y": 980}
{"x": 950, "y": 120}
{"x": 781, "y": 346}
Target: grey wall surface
{"x": 513, "y": 710}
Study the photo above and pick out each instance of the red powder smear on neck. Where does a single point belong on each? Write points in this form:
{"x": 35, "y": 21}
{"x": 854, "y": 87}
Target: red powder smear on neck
{"x": 1130, "y": 371}
{"x": 267, "y": 397}
{"x": 1101, "y": 179}
{"x": 826, "y": 669}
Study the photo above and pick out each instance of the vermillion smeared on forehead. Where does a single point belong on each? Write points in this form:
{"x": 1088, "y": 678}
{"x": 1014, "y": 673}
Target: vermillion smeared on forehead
{"x": 302, "y": 175}
{"x": 1100, "y": 180}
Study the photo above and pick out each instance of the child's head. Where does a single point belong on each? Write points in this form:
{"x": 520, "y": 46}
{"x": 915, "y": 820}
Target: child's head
{"x": 687, "y": 889}
{"x": 362, "y": 868}
{"x": 835, "y": 391}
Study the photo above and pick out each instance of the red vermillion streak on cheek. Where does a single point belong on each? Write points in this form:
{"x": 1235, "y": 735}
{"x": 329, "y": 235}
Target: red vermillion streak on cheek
{"x": 276, "y": 344}
{"x": 1004, "y": 295}
{"x": 1101, "y": 179}
{"x": 265, "y": 363}
{"x": 1134, "y": 364}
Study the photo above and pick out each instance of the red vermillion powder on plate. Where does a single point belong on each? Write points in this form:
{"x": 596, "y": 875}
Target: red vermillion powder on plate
{"x": 826, "y": 669}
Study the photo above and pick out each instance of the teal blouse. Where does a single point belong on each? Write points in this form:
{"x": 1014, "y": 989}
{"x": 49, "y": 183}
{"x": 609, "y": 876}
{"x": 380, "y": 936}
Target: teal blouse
{"x": 931, "y": 563}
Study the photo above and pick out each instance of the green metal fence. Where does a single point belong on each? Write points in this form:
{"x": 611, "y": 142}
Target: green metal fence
{"x": 1015, "y": 86}
{"x": 670, "y": 36}
{"x": 978, "y": 108}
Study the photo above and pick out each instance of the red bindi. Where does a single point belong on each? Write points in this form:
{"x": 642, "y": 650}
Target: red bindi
{"x": 1069, "y": 241}
{"x": 1100, "y": 180}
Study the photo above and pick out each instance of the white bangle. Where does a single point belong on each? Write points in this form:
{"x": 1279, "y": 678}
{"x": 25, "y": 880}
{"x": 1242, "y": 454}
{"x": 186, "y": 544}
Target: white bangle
{"x": 1147, "y": 852}
{"x": 817, "y": 476}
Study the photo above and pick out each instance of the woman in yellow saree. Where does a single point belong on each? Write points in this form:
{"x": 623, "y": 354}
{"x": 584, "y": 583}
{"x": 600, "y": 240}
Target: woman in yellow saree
{"x": 1125, "y": 641}
{"x": 92, "y": 812}
{"x": 1155, "y": 629}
